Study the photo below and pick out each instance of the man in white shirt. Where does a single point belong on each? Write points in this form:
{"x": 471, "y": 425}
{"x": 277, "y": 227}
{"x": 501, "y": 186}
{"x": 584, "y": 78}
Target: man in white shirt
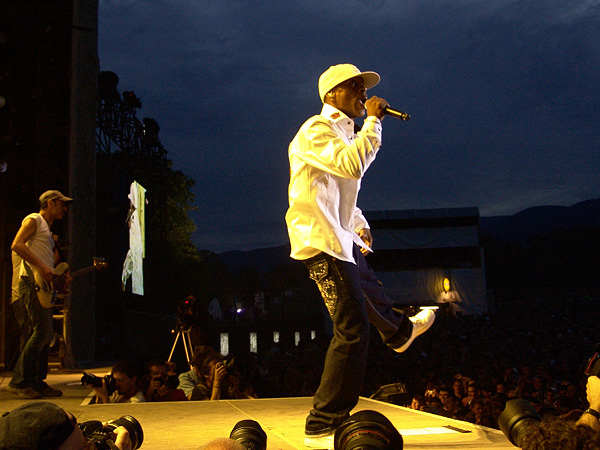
{"x": 125, "y": 376}
{"x": 328, "y": 232}
{"x": 33, "y": 252}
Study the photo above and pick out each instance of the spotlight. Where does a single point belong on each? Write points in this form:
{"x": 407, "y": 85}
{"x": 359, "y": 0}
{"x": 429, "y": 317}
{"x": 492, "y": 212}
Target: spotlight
{"x": 517, "y": 417}
{"x": 446, "y": 285}
{"x": 367, "y": 430}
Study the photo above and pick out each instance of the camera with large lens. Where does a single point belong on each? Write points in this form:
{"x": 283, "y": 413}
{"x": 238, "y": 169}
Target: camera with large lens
{"x": 186, "y": 313}
{"x": 92, "y": 381}
{"x": 367, "y": 430}
{"x": 593, "y": 364}
{"x": 249, "y": 434}
{"x": 104, "y": 435}
{"x": 517, "y": 417}
{"x": 170, "y": 381}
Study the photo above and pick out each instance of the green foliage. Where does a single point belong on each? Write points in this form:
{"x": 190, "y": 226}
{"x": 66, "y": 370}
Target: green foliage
{"x": 173, "y": 266}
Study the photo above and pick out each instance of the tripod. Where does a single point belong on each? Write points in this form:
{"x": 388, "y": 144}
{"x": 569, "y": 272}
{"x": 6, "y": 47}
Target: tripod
{"x": 187, "y": 343}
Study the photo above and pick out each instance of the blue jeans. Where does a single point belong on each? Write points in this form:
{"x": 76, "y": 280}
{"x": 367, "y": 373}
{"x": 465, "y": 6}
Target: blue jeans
{"x": 354, "y": 297}
{"x": 32, "y": 366}
{"x": 23, "y": 320}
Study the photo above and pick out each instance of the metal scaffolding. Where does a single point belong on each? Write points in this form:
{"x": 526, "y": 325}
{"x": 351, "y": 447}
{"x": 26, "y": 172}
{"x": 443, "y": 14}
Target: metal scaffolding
{"x": 119, "y": 129}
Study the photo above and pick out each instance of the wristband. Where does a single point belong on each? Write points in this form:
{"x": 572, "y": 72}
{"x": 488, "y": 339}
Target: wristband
{"x": 592, "y": 412}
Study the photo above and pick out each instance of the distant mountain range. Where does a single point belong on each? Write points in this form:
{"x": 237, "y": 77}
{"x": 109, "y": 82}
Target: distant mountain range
{"x": 538, "y": 220}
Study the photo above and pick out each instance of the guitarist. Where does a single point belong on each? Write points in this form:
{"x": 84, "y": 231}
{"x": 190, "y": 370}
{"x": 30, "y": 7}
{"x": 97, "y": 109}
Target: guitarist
{"x": 35, "y": 246}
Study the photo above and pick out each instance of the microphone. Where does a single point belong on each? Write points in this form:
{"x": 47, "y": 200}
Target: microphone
{"x": 395, "y": 113}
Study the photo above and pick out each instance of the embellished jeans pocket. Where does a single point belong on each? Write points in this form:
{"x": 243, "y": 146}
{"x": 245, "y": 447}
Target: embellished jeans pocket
{"x": 320, "y": 272}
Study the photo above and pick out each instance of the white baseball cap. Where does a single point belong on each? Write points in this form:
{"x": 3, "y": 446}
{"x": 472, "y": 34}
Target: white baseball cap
{"x": 342, "y": 72}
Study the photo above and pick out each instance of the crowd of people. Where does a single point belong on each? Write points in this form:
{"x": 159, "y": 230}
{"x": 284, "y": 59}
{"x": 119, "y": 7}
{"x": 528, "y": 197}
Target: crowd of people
{"x": 467, "y": 368}
{"x": 470, "y": 366}
{"x": 211, "y": 377}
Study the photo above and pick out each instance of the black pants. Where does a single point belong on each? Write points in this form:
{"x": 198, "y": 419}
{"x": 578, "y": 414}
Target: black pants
{"x": 354, "y": 297}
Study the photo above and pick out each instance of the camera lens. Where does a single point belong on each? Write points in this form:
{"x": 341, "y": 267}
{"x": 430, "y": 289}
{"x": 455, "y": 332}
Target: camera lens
{"x": 136, "y": 434}
{"x": 249, "y": 434}
{"x": 101, "y": 435}
{"x": 593, "y": 364}
{"x": 367, "y": 430}
{"x": 89, "y": 379}
{"x": 172, "y": 381}
{"x": 518, "y": 415}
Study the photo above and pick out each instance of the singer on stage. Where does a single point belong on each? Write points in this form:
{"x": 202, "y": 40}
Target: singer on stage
{"x": 328, "y": 158}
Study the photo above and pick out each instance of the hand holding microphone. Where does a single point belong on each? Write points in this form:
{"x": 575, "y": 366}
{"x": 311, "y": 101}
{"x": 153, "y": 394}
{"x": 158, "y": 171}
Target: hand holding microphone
{"x": 378, "y": 107}
{"x": 395, "y": 113}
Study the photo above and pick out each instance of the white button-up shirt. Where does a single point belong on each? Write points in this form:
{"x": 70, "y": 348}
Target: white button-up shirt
{"x": 327, "y": 163}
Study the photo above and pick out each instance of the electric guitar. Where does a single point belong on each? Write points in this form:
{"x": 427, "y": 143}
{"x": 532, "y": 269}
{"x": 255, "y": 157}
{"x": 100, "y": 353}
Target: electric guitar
{"x": 48, "y": 292}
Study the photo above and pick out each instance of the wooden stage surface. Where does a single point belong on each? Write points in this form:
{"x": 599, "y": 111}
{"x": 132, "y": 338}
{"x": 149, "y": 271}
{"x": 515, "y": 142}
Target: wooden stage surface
{"x": 188, "y": 425}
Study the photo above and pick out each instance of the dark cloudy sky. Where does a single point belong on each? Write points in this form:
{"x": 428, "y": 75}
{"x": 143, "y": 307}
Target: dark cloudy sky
{"x": 504, "y": 97}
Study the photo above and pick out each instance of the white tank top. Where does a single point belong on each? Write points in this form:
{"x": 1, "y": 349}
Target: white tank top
{"x": 41, "y": 243}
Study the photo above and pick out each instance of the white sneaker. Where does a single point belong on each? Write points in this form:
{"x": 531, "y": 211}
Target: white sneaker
{"x": 421, "y": 323}
{"x": 322, "y": 439}
{"x": 320, "y": 442}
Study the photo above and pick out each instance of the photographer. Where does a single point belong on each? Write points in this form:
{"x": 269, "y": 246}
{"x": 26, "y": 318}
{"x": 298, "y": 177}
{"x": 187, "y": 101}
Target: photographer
{"x": 46, "y": 425}
{"x": 159, "y": 385}
{"x": 124, "y": 374}
{"x": 215, "y": 381}
{"x": 188, "y": 380}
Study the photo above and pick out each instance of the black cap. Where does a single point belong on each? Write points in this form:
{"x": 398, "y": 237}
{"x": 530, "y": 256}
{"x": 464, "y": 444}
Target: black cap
{"x": 35, "y": 425}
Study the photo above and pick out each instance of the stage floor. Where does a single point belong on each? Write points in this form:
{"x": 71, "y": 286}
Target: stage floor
{"x": 188, "y": 425}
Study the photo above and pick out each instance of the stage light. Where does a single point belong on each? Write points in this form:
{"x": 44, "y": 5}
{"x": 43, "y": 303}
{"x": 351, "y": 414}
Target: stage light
{"x": 446, "y": 285}
{"x": 253, "y": 342}
{"x": 130, "y": 99}
{"x": 224, "y": 341}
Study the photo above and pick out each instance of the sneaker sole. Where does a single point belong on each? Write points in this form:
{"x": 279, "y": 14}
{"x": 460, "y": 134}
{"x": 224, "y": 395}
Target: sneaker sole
{"x": 322, "y": 442}
{"x": 408, "y": 343}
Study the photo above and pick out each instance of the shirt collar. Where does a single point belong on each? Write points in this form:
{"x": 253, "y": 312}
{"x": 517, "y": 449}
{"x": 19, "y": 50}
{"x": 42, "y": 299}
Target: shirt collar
{"x": 339, "y": 118}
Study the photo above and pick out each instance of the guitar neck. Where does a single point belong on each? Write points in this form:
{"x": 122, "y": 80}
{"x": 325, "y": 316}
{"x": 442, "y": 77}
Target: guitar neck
{"x": 80, "y": 272}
